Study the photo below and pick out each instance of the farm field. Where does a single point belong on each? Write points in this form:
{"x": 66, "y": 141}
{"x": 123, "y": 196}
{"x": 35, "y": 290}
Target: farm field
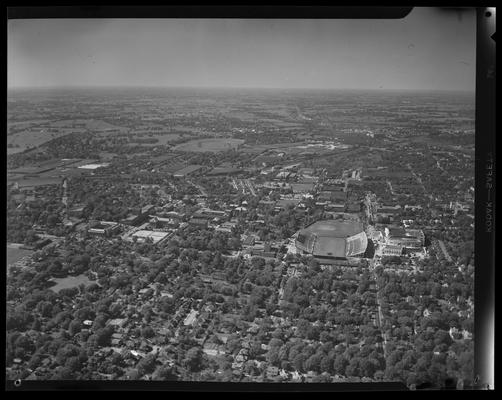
{"x": 212, "y": 145}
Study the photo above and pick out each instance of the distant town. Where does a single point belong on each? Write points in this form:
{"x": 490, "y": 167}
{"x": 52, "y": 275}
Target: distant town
{"x": 240, "y": 235}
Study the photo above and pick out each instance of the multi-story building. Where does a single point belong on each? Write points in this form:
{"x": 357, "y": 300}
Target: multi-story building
{"x": 407, "y": 238}
{"x": 103, "y": 228}
{"x": 392, "y": 250}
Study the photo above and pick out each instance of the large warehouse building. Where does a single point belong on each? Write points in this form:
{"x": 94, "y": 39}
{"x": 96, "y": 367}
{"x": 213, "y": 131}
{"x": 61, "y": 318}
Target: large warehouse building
{"x": 333, "y": 239}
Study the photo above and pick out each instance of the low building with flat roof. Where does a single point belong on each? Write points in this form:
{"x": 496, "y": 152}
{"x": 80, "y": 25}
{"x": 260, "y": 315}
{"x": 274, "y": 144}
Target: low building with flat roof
{"x": 200, "y": 222}
{"x": 392, "y": 250}
{"x": 140, "y": 217}
{"x": 76, "y": 211}
{"x": 226, "y": 227}
{"x": 147, "y": 209}
{"x": 302, "y": 187}
{"x": 335, "y": 207}
{"x": 103, "y": 228}
{"x": 285, "y": 203}
{"x": 191, "y": 318}
{"x": 389, "y": 209}
{"x": 93, "y": 166}
{"x": 132, "y": 220}
{"x": 163, "y": 223}
{"x": 156, "y": 236}
{"x": 224, "y": 171}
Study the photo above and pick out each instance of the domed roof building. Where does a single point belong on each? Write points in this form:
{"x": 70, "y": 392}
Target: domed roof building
{"x": 333, "y": 238}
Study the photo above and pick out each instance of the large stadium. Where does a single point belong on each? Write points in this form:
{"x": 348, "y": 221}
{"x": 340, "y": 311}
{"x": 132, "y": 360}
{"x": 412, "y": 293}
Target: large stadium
{"x": 333, "y": 239}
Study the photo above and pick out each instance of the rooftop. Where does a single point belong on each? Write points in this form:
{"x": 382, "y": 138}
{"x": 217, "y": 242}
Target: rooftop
{"x": 154, "y": 235}
{"x": 93, "y": 166}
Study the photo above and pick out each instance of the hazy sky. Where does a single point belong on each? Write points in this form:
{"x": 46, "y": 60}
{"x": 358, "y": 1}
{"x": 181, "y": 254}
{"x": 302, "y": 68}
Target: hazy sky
{"x": 428, "y": 49}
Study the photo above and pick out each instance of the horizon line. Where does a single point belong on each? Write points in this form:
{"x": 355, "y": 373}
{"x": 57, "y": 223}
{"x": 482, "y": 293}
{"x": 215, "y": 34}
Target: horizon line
{"x": 55, "y": 87}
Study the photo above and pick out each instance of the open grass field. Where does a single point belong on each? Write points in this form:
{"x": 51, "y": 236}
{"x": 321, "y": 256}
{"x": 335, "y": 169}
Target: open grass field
{"x": 25, "y": 124}
{"x": 15, "y": 150}
{"x": 34, "y": 138}
{"x": 162, "y": 139}
{"x": 98, "y": 125}
{"x": 211, "y": 145}
{"x": 14, "y": 254}
{"x": 69, "y": 282}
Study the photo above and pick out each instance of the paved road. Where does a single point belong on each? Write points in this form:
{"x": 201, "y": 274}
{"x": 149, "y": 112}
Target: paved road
{"x": 443, "y": 249}
{"x": 439, "y": 165}
{"x": 380, "y": 318}
{"x": 234, "y": 184}
{"x": 419, "y": 180}
{"x": 390, "y": 187}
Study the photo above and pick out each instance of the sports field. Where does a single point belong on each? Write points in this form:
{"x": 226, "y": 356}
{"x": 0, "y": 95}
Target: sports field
{"x": 335, "y": 228}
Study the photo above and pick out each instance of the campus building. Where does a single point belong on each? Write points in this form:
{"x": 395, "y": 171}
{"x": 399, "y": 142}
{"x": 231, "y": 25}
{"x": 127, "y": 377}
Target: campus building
{"x": 103, "y": 228}
{"x": 407, "y": 238}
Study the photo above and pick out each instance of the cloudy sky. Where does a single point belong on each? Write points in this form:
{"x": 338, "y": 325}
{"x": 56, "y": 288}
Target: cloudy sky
{"x": 428, "y": 49}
